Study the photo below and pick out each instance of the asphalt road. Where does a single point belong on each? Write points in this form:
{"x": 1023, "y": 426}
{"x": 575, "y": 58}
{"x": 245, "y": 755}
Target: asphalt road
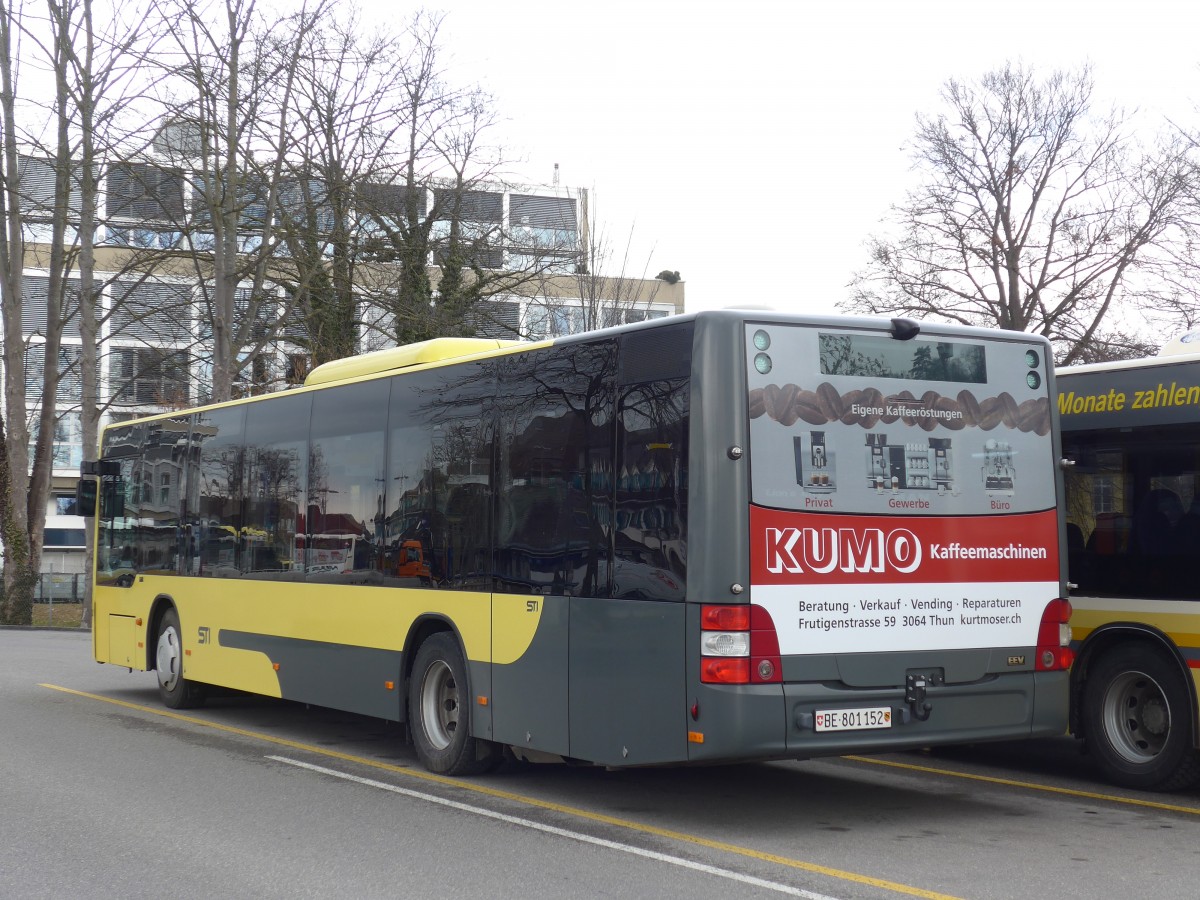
{"x": 103, "y": 792}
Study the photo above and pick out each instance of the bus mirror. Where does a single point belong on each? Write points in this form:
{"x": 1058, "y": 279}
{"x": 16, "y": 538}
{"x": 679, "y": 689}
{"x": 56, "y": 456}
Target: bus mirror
{"x": 112, "y": 502}
{"x": 85, "y": 497}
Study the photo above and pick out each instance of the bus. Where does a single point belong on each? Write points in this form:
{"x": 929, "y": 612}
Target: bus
{"x": 719, "y": 537}
{"x": 1131, "y": 438}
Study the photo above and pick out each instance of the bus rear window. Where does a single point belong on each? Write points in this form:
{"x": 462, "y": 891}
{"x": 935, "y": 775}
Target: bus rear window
{"x": 884, "y": 357}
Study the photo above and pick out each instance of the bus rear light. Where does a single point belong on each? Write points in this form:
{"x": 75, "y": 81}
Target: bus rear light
{"x": 725, "y": 618}
{"x": 1054, "y": 651}
{"x": 725, "y": 643}
{"x": 721, "y": 670}
{"x": 739, "y": 645}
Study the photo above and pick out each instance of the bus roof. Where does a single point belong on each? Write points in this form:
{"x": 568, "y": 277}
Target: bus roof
{"x": 1117, "y": 365}
{"x": 392, "y": 358}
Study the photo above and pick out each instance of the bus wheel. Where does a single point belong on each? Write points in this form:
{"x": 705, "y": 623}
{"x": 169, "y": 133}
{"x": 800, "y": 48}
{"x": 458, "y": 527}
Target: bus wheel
{"x": 440, "y": 713}
{"x": 1137, "y": 713}
{"x": 175, "y": 690}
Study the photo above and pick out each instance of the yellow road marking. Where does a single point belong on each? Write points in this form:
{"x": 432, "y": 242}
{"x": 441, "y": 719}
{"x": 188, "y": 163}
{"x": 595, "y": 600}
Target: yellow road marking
{"x": 1030, "y": 785}
{"x": 627, "y": 824}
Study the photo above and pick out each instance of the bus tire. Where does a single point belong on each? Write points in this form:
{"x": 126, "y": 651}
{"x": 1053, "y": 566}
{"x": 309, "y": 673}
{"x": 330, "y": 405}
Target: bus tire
{"x": 440, "y": 711}
{"x": 1137, "y": 717}
{"x": 176, "y": 691}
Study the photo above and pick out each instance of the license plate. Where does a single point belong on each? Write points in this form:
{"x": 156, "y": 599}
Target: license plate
{"x": 854, "y": 719}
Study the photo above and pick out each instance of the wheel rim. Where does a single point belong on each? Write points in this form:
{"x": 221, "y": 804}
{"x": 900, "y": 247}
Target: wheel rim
{"x": 1137, "y": 717}
{"x": 439, "y": 704}
{"x": 169, "y": 659}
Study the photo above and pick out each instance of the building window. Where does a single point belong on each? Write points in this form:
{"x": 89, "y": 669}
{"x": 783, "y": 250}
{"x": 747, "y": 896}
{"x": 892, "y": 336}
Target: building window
{"x": 149, "y": 376}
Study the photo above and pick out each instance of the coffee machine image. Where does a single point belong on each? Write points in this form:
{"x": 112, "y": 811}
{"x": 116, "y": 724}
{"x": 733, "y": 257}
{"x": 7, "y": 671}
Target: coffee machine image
{"x": 998, "y": 470}
{"x": 919, "y": 466}
{"x": 816, "y": 470}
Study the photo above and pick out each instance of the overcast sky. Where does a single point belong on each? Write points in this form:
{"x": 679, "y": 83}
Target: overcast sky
{"x": 754, "y": 145}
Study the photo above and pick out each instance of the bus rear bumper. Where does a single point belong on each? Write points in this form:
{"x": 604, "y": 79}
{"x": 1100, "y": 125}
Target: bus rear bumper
{"x": 780, "y": 722}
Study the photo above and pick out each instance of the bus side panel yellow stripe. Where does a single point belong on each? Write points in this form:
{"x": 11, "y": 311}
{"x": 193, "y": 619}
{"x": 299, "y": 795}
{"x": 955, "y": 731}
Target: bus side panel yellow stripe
{"x": 351, "y": 615}
{"x": 515, "y": 619}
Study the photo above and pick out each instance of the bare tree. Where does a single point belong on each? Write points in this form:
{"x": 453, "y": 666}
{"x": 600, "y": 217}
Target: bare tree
{"x": 1176, "y": 299}
{"x": 1033, "y": 214}
{"x": 228, "y": 76}
{"x": 346, "y": 124}
{"x": 36, "y": 194}
{"x": 20, "y": 556}
{"x": 439, "y": 245}
{"x": 443, "y": 204}
{"x": 53, "y": 191}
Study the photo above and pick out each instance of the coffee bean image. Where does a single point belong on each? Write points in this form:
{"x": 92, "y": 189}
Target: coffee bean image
{"x": 970, "y": 408}
{"x": 906, "y": 401}
{"x": 1009, "y": 405}
{"x": 771, "y": 400}
{"x": 954, "y": 419}
{"x": 872, "y": 399}
{"x": 849, "y": 416}
{"x": 893, "y": 407}
{"x": 787, "y": 405}
{"x": 758, "y": 404}
{"x": 830, "y": 400}
{"x": 808, "y": 408}
{"x": 1034, "y": 415}
{"x": 1042, "y": 428}
{"x": 991, "y": 412}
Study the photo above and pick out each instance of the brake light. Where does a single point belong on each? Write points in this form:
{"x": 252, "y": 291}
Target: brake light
{"x": 739, "y": 645}
{"x": 1054, "y": 651}
{"x": 725, "y": 618}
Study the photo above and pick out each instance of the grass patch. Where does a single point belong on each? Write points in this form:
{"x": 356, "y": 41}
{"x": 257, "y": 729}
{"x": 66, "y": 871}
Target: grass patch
{"x": 58, "y": 615}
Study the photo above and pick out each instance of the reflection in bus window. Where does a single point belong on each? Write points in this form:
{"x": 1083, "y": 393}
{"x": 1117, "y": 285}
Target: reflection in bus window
{"x": 276, "y": 475}
{"x": 555, "y": 516}
{"x": 440, "y": 474}
{"x": 216, "y": 520}
{"x": 344, "y": 525}
{"x": 651, "y": 486}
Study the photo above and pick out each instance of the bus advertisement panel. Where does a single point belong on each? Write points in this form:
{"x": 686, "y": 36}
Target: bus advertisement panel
{"x": 904, "y": 492}
{"x": 1131, "y": 433}
{"x": 719, "y": 537}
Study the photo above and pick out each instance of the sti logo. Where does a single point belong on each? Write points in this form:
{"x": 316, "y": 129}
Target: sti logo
{"x": 822, "y": 550}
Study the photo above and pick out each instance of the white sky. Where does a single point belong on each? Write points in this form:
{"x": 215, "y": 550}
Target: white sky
{"x": 754, "y": 145}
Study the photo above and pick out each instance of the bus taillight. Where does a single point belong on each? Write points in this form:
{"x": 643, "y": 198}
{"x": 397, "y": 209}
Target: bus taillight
{"x": 1054, "y": 637}
{"x": 738, "y": 645}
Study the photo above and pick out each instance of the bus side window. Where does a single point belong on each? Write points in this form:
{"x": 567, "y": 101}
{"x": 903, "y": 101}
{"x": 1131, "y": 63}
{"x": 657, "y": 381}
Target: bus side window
{"x": 555, "y": 464}
{"x": 216, "y": 482}
{"x": 439, "y": 476}
{"x": 275, "y": 475}
{"x": 347, "y": 481}
{"x": 653, "y": 416}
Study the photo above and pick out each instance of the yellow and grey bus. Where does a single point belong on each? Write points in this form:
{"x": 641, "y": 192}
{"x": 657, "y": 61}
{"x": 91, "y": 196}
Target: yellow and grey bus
{"x": 1131, "y": 433}
{"x": 726, "y": 536}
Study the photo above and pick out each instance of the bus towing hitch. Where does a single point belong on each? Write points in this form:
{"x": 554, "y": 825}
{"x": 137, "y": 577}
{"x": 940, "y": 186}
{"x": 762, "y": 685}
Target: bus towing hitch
{"x": 914, "y": 695}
